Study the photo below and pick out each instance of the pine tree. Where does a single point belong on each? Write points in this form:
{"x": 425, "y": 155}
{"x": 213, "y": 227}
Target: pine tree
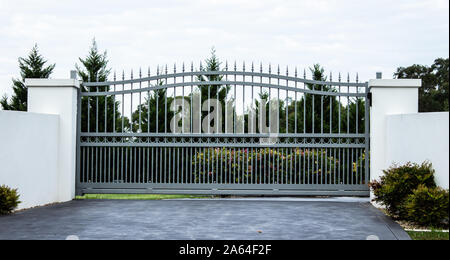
{"x": 150, "y": 116}
{"x": 213, "y": 91}
{"x": 95, "y": 66}
{"x": 95, "y": 69}
{"x": 305, "y": 109}
{"x": 218, "y": 92}
{"x": 147, "y": 118}
{"x": 31, "y": 67}
{"x": 94, "y": 118}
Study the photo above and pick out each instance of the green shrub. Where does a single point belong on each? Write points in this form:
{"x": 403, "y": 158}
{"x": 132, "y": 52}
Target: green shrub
{"x": 428, "y": 206}
{"x": 9, "y": 199}
{"x": 268, "y": 165}
{"x": 398, "y": 182}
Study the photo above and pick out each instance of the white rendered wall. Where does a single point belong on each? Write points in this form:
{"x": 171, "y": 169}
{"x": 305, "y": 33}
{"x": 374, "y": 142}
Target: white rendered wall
{"x": 59, "y": 97}
{"x": 400, "y": 96}
{"x": 29, "y": 156}
{"x": 389, "y": 97}
{"x": 419, "y": 137}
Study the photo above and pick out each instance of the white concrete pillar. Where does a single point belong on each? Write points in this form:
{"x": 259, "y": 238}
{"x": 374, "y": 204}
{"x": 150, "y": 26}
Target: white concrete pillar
{"x": 59, "y": 97}
{"x": 389, "y": 97}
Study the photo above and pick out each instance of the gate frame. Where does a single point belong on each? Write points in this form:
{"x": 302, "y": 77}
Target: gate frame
{"x": 230, "y": 189}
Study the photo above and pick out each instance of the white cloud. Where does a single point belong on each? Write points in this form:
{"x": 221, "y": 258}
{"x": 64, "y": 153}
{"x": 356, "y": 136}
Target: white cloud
{"x": 351, "y": 35}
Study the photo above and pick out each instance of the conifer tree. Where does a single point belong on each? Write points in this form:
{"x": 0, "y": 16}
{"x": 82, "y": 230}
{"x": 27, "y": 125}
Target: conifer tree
{"x": 219, "y": 92}
{"x": 31, "y": 67}
{"x": 95, "y": 69}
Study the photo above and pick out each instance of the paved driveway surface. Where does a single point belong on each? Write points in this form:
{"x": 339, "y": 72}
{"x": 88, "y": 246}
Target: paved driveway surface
{"x": 202, "y": 219}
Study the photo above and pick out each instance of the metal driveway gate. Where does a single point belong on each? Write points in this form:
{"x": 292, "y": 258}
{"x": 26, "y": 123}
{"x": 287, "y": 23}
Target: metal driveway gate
{"x": 266, "y": 134}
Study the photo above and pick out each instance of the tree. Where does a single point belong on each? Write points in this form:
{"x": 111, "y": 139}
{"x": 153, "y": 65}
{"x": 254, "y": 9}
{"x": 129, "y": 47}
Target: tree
{"x": 147, "y": 110}
{"x": 305, "y": 107}
{"x": 95, "y": 69}
{"x": 31, "y": 67}
{"x": 441, "y": 71}
{"x": 101, "y": 113}
{"x": 95, "y": 66}
{"x": 218, "y": 92}
{"x": 433, "y": 95}
{"x": 213, "y": 91}
{"x": 150, "y": 116}
{"x": 316, "y": 113}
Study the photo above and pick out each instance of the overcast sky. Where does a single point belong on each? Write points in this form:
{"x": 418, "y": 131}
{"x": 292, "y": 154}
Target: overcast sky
{"x": 342, "y": 35}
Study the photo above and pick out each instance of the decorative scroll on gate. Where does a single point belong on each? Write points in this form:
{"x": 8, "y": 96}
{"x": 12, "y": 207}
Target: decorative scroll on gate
{"x": 223, "y": 132}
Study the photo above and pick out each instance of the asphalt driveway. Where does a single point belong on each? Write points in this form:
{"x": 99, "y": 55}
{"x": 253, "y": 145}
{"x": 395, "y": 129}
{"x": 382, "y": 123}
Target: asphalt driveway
{"x": 247, "y": 219}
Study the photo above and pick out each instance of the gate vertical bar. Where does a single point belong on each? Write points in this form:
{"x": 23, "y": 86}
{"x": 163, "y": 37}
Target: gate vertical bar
{"x": 367, "y": 134}
{"x": 78, "y": 190}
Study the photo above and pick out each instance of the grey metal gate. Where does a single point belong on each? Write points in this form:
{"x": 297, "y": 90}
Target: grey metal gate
{"x": 319, "y": 146}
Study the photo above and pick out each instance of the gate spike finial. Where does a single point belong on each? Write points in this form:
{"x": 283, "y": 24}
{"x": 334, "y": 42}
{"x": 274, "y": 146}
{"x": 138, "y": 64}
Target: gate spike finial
{"x": 131, "y": 73}
{"x": 148, "y": 71}
{"x": 260, "y": 68}
{"x": 183, "y": 67}
{"x": 339, "y": 77}
{"x": 348, "y": 77}
{"x": 226, "y": 65}
{"x": 140, "y": 72}
{"x": 357, "y": 77}
{"x": 287, "y": 70}
{"x": 331, "y": 76}
{"x": 192, "y": 66}
{"x": 166, "y": 69}
{"x": 123, "y": 74}
{"x": 201, "y": 66}
{"x": 304, "y": 73}
{"x": 114, "y": 75}
{"x": 243, "y": 66}
{"x": 270, "y": 68}
{"x": 253, "y": 67}
{"x": 278, "y": 70}
{"x": 174, "y": 68}
{"x": 296, "y": 72}
{"x": 235, "y": 67}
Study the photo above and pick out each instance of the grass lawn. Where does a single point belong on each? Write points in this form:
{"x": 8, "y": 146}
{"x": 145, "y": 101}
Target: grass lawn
{"x": 415, "y": 235}
{"x": 139, "y": 197}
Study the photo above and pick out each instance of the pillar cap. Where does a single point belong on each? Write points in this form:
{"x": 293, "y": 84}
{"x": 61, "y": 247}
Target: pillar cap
{"x": 395, "y": 83}
{"x": 52, "y": 83}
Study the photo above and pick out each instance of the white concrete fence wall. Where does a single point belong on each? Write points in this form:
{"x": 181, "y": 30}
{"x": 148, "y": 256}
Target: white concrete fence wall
{"x": 38, "y": 148}
{"x": 29, "y": 156}
{"x": 418, "y": 138}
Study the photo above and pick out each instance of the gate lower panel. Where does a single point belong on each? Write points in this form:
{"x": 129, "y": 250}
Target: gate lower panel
{"x": 222, "y": 170}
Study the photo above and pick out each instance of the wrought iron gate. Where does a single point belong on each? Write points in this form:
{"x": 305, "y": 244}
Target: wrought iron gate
{"x": 315, "y": 140}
